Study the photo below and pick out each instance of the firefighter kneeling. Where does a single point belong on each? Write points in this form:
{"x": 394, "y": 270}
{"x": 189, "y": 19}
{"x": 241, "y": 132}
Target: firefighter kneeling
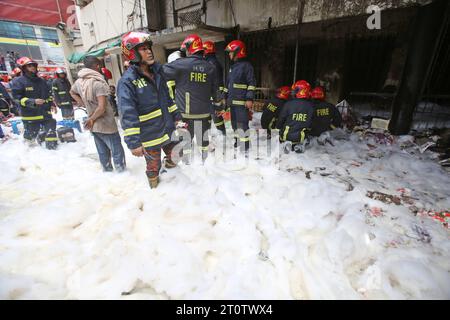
{"x": 32, "y": 94}
{"x": 296, "y": 117}
{"x": 326, "y": 117}
{"x": 272, "y": 109}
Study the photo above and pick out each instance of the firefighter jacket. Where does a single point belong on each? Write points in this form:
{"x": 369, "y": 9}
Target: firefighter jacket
{"x": 195, "y": 82}
{"x": 147, "y": 113}
{"x": 5, "y": 100}
{"x": 241, "y": 86}
{"x": 25, "y": 90}
{"x": 270, "y": 113}
{"x": 295, "y": 120}
{"x": 326, "y": 117}
{"x": 211, "y": 58}
{"x": 61, "y": 95}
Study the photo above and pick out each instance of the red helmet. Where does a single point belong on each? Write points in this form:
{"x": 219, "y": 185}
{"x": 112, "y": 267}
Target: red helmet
{"x": 284, "y": 92}
{"x": 16, "y": 72}
{"x": 302, "y": 89}
{"x": 24, "y": 61}
{"x": 129, "y": 43}
{"x": 107, "y": 73}
{"x": 192, "y": 44}
{"x": 209, "y": 47}
{"x": 238, "y": 47}
{"x": 318, "y": 93}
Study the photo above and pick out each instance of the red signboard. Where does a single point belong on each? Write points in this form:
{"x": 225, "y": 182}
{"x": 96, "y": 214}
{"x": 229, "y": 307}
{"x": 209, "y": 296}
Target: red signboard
{"x": 40, "y": 12}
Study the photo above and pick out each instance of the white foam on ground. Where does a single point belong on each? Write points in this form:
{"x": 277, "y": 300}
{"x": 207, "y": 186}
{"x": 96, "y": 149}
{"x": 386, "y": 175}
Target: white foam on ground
{"x": 222, "y": 230}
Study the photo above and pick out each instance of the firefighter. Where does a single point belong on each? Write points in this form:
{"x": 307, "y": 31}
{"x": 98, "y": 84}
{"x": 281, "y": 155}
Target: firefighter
{"x": 295, "y": 118}
{"x": 61, "y": 94}
{"x": 32, "y": 94}
{"x": 272, "y": 109}
{"x": 17, "y": 72}
{"x": 210, "y": 56}
{"x": 5, "y": 103}
{"x": 240, "y": 91}
{"x": 147, "y": 112}
{"x": 326, "y": 116}
{"x": 196, "y": 84}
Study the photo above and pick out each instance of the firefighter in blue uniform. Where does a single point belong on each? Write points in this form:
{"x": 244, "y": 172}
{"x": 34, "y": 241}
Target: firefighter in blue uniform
{"x": 326, "y": 116}
{"x": 16, "y": 73}
{"x": 32, "y": 94}
{"x": 296, "y": 117}
{"x": 5, "y": 102}
{"x": 210, "y": 56}
{"x": 147, "y": 112}
{"x": 61, "y": 96}
{"x": 196, "y": 86}
{"x": 272, "y": 109}
{"x": 240, "y": 91}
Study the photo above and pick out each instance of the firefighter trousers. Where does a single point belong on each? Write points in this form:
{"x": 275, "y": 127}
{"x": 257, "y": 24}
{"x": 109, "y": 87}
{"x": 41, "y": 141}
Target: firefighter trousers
{"x": 32, "y": 128}
{"x": 199, "y": 129}
{"x": 153, "y": 159}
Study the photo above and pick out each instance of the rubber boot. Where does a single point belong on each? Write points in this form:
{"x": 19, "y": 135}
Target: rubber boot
{"x": 168, "y": 163}
{"x": 51, "y": 140}
{"x": 153, "y": 182}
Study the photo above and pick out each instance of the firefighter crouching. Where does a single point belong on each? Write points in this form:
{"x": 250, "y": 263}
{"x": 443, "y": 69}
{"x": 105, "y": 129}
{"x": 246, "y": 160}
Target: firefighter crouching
{"x": 326, "y": 116}
{"x": 146, "y": 110}
{"x": 296, "y": 117}
{"x": 240, "y": 92}
{"x": 195, "y": 81}
{"x": 210, "y": 56}
{"x": 32, "y": 94}
{"x": 272, "y": 109}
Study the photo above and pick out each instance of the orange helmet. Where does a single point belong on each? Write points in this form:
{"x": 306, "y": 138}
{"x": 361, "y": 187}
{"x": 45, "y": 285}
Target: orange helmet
{"x": 24, "y": 61}
{"x": 283, "y": 93}
{"x": 192, "y": 44}
{"x": 107, "y": 73}
{"x": 129, "y": 43}
{"x": 16, "y": 72}
{"x": 318, "y": 93}
{"x": 209, "y": 47}
{"x": 238, "y": 47}
{"x": 302, "y": 89}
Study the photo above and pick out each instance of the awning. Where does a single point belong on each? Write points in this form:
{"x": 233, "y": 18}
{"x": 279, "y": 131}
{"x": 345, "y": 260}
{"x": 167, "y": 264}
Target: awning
{"x": 77, "y": 57}
{"x": 173, "y": 37}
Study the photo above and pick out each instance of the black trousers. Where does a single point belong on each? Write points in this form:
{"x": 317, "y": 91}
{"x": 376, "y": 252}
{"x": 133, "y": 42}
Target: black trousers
{"x": 32, "y": 128}
{"x": 198, "y": 128}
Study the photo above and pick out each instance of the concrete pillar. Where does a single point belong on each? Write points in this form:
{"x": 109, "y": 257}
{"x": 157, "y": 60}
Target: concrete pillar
{"x": 423, "y": 40}
{"x": 68, "y": 49}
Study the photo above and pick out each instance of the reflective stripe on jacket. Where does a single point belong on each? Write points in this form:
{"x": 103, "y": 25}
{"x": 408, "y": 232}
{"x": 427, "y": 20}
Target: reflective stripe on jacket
{"x": 192, "y": 81}
{"x": 147, "y": 113}
{"x": 25, "y": 90}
